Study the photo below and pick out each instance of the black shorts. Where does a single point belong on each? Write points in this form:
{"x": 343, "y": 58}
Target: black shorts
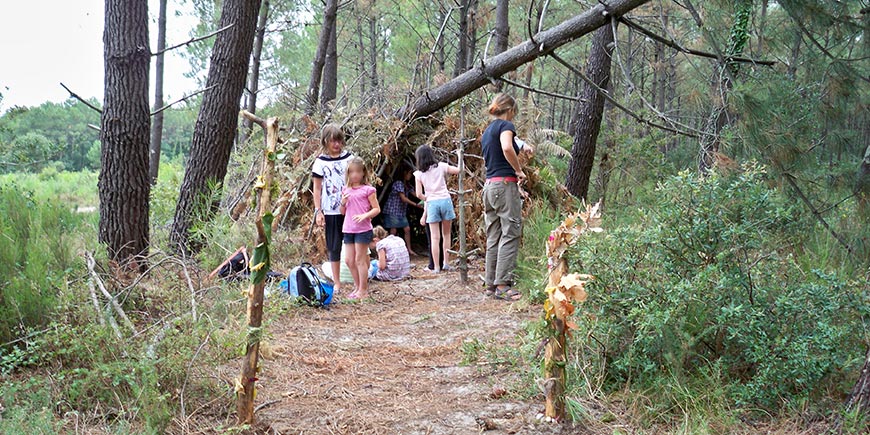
{"x": 334, "y": 222}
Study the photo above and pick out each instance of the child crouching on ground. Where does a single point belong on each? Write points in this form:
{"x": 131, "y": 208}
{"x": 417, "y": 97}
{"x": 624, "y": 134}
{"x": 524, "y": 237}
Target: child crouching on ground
{"x": 393, "y": 262}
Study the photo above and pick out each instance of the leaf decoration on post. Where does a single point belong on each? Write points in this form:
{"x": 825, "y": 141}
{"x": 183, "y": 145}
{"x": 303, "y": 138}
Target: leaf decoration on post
{"x": 563, "y": 291}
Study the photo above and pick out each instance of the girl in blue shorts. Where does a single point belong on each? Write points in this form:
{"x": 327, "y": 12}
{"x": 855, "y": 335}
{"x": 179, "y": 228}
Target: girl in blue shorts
{"x": 438, "y": 210}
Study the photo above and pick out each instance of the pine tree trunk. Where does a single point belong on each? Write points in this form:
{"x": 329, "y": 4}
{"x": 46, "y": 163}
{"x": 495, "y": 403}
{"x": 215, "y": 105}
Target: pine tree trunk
{"x": 462, "y": 48}
{"x": 471, "y": 52}
{"x": 502, "y": 25}
{"x": 361, "y": 66}
{"x": 329, "y": 90}
{"x": 329, "y": 14}
{"x": 124, "y": 186}
{"x": 373, "y": 53}
{"x": 216, "y": 123}
{"x": 254, "y": 75}
{"x": 586, "y": 122}
{"x": 157, "y": 125}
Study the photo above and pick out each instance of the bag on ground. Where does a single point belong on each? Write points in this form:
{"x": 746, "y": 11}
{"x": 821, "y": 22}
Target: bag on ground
{"x": 304, "y": 282}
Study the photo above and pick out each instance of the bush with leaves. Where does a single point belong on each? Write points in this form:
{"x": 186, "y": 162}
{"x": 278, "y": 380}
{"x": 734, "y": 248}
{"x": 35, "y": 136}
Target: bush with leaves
{"x": 707, "y": 282}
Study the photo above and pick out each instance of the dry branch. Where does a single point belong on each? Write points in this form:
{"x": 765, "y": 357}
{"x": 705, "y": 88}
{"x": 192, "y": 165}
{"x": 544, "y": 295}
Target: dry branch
{"x": 184, "y": 98}
{"x": 77, "y": 97}
{"x": 676, "y": 46}
{"x": 542, "y": 44}
{"x": 91, "y": 262}
{"x": 192, "y": 40}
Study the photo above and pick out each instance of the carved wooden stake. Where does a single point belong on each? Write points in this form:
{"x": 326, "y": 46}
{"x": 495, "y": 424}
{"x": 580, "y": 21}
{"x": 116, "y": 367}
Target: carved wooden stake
{"x": 260, "y": 261}
{"x": 554, "y": 354}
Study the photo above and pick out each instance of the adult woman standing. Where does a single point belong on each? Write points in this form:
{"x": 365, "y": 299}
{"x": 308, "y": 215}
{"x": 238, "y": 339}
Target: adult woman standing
{"x": 502, "y": 201}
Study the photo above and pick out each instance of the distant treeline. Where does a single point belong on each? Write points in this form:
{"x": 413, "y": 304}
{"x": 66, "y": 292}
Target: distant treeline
{"x": 57, "y": 134}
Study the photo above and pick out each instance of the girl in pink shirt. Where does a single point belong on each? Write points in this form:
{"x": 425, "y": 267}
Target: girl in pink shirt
{"x": 359, "y": 204}
{"x": 438, "y": 211}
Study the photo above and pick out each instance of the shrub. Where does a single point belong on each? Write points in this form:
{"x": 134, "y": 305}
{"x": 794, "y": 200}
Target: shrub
{"x": 37, "y": 253}
{"x": 707, "y": 283}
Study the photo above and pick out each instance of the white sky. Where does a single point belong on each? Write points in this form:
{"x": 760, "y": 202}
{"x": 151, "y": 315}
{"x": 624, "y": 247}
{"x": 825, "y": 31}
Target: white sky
{"x": 45, "y": 42}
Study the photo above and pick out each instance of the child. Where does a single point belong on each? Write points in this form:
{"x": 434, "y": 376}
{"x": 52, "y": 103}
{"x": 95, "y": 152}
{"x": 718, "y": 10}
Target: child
{"x": 396, "y": 208}
{"x": 393, "y": 262}
{"x": 329, "y": 172}
{"x": 359, "y": 204}
{"x": 438, "y": 210}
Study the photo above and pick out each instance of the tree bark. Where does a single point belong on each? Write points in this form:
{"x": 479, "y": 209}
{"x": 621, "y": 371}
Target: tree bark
{"x": 472, "y": 34}
{"x": 157, "y": 125}
{"x": 502, "y": 25}
{"x": 461, "y": 64}
{"x": 373, "y": 52}
{"x": 216, "y": 123}
{"x": 124, "y": 186}
{"x": 587, "y": 116}
{"x": 435, "y": 99}
{"x": 329, "y": 90}
{"x": 329, "y": 14}
{"x": 254, "y": 75}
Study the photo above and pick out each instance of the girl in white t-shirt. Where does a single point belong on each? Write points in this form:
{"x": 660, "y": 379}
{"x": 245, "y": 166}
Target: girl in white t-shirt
{"x": 438, "y": 210}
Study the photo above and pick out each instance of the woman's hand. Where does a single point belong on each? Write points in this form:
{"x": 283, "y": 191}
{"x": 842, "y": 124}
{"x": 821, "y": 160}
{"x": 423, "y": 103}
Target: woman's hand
{"x": 521, "y": 177}
{"x": 319, "y": 220}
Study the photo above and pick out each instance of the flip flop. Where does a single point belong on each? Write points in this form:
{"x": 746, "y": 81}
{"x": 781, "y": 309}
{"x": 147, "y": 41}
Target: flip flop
{"x": 508, "y": 294}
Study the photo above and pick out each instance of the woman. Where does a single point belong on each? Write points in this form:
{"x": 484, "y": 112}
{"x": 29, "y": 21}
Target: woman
{"x": 502, "y": 201}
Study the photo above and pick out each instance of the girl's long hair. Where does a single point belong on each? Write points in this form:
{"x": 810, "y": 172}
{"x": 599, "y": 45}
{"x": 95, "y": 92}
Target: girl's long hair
{"x": 360, "y": 163}
{"x": 330, "y": 133}
{"x": 425, "y": 158}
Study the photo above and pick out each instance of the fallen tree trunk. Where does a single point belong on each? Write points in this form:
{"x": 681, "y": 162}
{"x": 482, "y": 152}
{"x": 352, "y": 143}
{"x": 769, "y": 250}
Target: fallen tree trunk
{"x": 541, "y": 44}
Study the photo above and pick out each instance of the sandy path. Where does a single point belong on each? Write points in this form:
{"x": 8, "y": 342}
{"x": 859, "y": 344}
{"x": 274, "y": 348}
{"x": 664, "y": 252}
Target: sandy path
{"x": 394, "y": 365}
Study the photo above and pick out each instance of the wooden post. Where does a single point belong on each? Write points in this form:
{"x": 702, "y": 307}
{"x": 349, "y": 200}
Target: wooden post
{"x": 260, "y": 261}
{"x": 554, "y": 354}
{"x": 463, "y": 253}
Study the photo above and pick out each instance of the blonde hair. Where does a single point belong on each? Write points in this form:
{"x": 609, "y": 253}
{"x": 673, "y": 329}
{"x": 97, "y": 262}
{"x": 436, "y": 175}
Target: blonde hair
{"x": 380, "y": 232}
{"x": 502, "y": 104}
{"x": 330, "y": 133}
{"x": 358, "y": 162}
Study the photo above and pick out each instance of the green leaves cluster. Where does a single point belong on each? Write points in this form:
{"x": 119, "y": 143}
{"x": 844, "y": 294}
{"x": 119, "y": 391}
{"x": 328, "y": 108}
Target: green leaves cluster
{"x": 708, "y": 282}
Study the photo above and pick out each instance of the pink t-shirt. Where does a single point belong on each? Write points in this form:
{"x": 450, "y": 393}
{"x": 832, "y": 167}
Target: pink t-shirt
{"x": 434, "y": 184}
{"x": 357, "y": 203}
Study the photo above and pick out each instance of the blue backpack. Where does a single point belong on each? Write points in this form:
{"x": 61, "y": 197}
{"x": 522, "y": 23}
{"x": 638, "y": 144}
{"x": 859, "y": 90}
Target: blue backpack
{"x": 304, "y": 282}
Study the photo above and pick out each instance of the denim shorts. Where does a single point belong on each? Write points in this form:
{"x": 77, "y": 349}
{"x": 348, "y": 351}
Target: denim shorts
{"x": 439, "y": 210}
{"x": 364, "y": 238}
{"x": 394, "y": 221}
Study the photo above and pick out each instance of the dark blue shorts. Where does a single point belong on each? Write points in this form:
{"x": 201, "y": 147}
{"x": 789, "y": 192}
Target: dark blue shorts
{"x": 394, "y": 221}
{"x": 363, "y": 238}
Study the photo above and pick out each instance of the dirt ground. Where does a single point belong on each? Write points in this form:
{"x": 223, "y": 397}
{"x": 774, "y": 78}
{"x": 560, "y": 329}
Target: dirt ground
{"x": 393, "y": 365}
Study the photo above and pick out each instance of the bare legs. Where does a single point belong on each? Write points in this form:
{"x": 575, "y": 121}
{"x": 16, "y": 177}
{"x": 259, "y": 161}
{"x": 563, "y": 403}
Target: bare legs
{"x": 441, "y": 238}
{"x": 407, "y": 230}
{"x": 357, "y": 260}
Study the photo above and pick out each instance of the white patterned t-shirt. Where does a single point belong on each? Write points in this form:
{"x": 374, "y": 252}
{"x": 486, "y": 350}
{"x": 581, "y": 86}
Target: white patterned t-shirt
{"x": 333, "y": 171}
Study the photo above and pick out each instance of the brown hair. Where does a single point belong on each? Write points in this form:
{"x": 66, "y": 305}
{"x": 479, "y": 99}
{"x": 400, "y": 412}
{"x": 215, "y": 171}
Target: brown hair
{"x": 502, "y": 104}
{"x": 380, "y": 232}
{"x": 330, "y": 133}
{"x": 357, "y": 161}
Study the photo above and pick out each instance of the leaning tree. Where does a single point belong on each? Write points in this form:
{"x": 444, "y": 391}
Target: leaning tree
{"x": 215, "y": 128}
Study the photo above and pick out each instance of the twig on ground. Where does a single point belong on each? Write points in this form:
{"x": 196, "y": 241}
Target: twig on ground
{"x": 90, "y": 263}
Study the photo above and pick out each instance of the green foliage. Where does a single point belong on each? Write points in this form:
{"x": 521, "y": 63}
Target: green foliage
{"x": 29, "y": 152}
{"x": 38, "y": 252}
{"x": 708, "y": 281}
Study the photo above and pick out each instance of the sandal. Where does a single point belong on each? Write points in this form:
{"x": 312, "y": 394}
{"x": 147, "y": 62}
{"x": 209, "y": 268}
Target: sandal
{"x": 490, "y": 291}
{"x": 508, "y": 294}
